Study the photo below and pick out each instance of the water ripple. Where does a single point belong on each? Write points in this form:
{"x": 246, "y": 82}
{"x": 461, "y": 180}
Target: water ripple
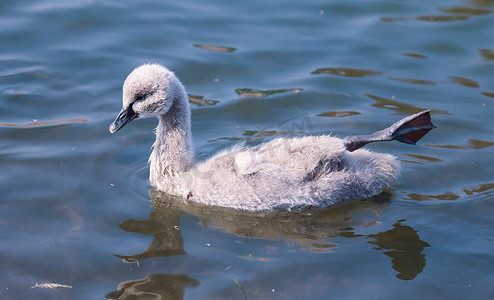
{"x": 423, "y": 197}
{"x": 401, "y": 107}
{"x": 215, "y": 48}
{"x": 413, "y": 81}
{"x": 471, "y": 144}
{"x": 478, "y": 188}
{"x": 338, "y": 114}
{"x": 247, "y": 92}
{"x": 347, "y": 72}
{"x": 468, "y": 11}
{"x": 37, "y": 123}
{"x": 426, "y": 158}
{"x": 488, "y": 94}
{"x": 200, "y": 101}
{"x": 487, "y": 54}
{"x": 464, "y": 81}
{"x": 414, "y": 55}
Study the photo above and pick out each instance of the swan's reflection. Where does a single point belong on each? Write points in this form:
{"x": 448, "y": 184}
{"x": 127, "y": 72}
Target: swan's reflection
{"x": 309, "y": 228}
{"x": 162, "y": 224}
{"x": 154, "y": 286}
{"x": 405, "y": 247}
{"x": 312, "y": 229}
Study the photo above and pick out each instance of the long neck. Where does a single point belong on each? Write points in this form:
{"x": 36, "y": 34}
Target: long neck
{"x": 172, "y": 153}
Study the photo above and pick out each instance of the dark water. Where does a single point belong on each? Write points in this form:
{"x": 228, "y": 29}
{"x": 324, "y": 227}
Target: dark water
{"x": 75, "y": 205}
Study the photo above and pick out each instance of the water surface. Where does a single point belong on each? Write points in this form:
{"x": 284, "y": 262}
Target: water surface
{"x": 76, "y": 206}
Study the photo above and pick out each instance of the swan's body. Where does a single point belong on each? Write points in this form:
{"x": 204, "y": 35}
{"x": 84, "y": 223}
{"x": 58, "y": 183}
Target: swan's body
{"x": 283, "y": 173}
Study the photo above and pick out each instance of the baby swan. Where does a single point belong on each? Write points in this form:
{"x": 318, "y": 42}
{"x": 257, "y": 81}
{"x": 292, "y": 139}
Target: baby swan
{"x": 281, "y": 174}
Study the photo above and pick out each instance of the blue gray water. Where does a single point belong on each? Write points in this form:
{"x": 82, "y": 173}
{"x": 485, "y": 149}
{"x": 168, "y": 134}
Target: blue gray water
{"x": 75, "y": 206}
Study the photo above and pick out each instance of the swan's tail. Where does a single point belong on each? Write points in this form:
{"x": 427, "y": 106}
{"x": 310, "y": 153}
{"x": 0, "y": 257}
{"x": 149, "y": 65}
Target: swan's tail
{"x": 408, "y": 130}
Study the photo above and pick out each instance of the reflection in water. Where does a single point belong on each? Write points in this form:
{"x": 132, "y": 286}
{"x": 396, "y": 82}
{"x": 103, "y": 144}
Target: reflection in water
{"x": 312, "y": 229}
{"x": 215, "y": 48}
{"x": 464, "y": 81}
{"x": 266, "y": 132}
{"x": 260, "y": 94}
{"x": 255, "y": 135}
{"x": 443, "y": 196}
{"x": 468, "y": 11}
{"x": 227, "y": 138}
{"x": 309, "y": 228}
{"x": 487, "y": 54}
{"x": 162, "y": 225}
{"x": 45, "y": 123}
{"x": 452, "y": 14}
{"x": 424, "y": 157}
{"x": 154, "y": 286}
{"x": 479, "y": 188}
{"x": 292, "y": 126}
{"x": 405, "y": 250}
{"x": 414, "y": 55}
{"x": 413, "y": 81}
{"x": 200, "y": 101}
{"x": 347, "y": 72}
{"x": 339, "y": 114}
{"x": 401, "y": 107}
{"x": 449, "y": 195}
{"x": 471, "y": 144}
{"x": 488, "y": 94}
{"x": 443, "y": 18}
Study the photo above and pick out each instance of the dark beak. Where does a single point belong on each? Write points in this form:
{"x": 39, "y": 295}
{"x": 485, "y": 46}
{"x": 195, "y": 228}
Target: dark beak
{"x": 126, "y": 115}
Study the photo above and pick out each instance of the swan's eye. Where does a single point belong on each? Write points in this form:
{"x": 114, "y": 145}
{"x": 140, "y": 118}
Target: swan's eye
{"x": 139, "y": 97}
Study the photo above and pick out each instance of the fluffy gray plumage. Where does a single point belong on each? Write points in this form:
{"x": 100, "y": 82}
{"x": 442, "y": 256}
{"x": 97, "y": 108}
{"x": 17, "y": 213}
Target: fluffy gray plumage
{"x": 281, "y": 174}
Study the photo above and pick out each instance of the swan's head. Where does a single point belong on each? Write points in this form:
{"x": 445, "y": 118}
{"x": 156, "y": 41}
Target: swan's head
{"x": 149, "y": 90}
